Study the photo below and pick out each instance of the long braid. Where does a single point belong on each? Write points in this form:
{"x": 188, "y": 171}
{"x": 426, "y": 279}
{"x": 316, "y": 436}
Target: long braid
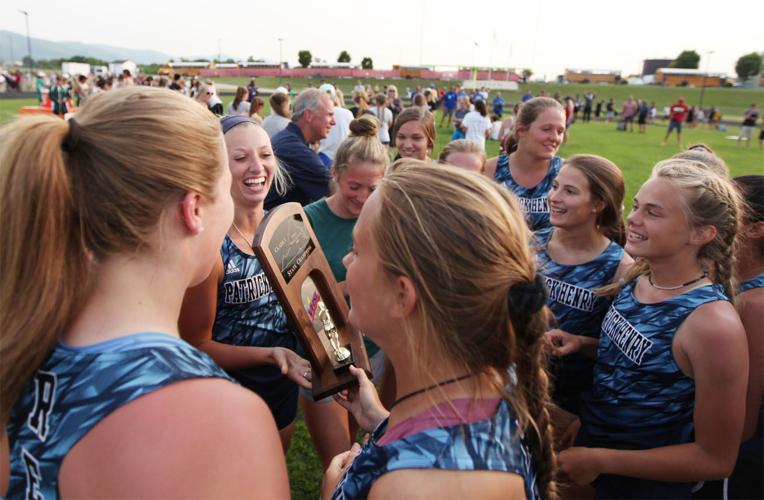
{"x": 533, "y": 396}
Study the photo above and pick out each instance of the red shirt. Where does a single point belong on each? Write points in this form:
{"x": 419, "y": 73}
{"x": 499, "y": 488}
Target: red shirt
{"x": 679, "y": 112}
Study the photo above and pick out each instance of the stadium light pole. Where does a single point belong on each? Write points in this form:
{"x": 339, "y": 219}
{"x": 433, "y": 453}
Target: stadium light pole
{"x": 29, "y": 41}
{"x": 703, "y": 86}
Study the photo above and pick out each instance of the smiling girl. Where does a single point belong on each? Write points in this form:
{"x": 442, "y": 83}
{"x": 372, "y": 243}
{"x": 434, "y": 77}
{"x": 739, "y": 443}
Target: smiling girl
{"x": 529, "y": 163}
{"x": 668, "y": 395}
{"x": 415, "y": 133}
{"x": 580, "y": 253}
{"x": 234, "y": 315}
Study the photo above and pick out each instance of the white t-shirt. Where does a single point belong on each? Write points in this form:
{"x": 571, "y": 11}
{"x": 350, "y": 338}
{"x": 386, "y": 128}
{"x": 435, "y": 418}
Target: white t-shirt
{"x": 340, "y": 130}
{"x": 476, "y": 125}
{"x": 243, "y": 109}
{"x": 273, "y": 124}
{"x": 385, "y": 121}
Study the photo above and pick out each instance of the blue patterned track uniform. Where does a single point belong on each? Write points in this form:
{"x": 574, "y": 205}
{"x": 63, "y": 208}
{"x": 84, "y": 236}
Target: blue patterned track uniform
{"x": 76, "y": 388}
{"x": 249, "y": 314}
{"x": 533, "y": 201}
{"x": 493, "y": 444}
{"x": 640, "y": 398}
{"x": 577, "y": 310}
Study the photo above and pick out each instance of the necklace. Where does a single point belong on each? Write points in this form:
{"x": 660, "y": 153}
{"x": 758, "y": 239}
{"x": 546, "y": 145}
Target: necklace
{"x": 251, "y": 245}
{"x": 429, "y": 388}
{"x": 670, "y": 288}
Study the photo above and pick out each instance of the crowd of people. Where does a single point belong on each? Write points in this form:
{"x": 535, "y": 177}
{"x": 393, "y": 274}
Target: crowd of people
{"x": 525, "y": 341}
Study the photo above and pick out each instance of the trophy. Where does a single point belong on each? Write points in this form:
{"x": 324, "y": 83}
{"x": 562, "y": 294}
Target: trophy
{"x": 298, "y": 272}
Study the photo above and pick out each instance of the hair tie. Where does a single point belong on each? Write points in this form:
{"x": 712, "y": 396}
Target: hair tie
{"x": 527, "y": 298}
{"x": 72, "y": 137}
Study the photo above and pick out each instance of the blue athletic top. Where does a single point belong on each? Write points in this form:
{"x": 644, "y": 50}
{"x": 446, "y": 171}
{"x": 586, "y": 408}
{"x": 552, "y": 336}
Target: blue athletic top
{"x": 494, "y": 444}
{"x": 76, "y": 388}
{"x": 577, "y": 310}
{"x": 753, "y": 449}
{"x": 533, "y": 201}
{"x": 640, "y": 398}
{"x": 248, "y": 311}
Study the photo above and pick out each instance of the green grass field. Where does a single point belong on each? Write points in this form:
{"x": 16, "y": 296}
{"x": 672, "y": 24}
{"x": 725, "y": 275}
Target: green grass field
{"x": 634, "y": 153}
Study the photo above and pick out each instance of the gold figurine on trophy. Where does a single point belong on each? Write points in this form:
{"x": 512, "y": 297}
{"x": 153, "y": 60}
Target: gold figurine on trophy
{"x": 340, "y": 353}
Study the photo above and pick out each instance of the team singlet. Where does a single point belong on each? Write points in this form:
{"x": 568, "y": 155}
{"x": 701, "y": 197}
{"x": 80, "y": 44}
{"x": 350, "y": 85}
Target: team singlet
{"x": 76, "y": 388}
{"x": 248, "y": 311}
{"x": 577, "y": 309}
{"x": 640, "y": 398}
{"x": 533, "y": 201}
{"x": 493, "y": 444}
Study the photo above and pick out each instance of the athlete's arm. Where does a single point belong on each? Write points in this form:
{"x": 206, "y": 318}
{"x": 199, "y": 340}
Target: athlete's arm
{"x": 435, "y": 483}
{"x": 490, "y": 166}
{"x": 562, "y": 343}
{"x": 194, "y": 439}
{"x": 751, "y": 309}
{"x": 197, "y": 317}
{"x": 710, "y": 347}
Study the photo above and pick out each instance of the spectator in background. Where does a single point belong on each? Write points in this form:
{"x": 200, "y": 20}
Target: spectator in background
{"x": 203, "y": 95}
{"x": 255, "y": 107}
{"x": 385, "y": 117}
{"x": 644, "y": 111}
{"x": 239, "y": 105}
{"x": 476, "y": 124}
{"x": 450, "y": 101}
{"x": 361, "y": 104}
{"x": 327, "y": 148}
{"x": 610, "y": 110}
{"x": 394, "y": 102}
{"x": 598, "y": 109}
{"x": 40, "y": 86}
{"x": 175, "y": 85}
{"x": 251, "y": 89}
{"x": 463, "y": 107}
{"x": 312, "y": 119}
{"x": 588, "y": 102}
{"x": 215, "y": 103}
{"x": 60, "y": 97}
{"x": 749, "y": 123}
{"x": 420, "y": 101}
{"x": 498, "y": 106}
{"x": 280, "y": 114}
{"x": 677, "y": 113}
{"x": 629, "y": 111}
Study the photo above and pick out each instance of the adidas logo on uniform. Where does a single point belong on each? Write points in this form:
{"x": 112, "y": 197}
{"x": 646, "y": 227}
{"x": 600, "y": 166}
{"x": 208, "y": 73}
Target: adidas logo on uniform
{"x": 231, "y": 268}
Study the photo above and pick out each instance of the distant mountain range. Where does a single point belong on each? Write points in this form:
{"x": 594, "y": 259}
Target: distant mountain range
{"x": 13, "y": 46}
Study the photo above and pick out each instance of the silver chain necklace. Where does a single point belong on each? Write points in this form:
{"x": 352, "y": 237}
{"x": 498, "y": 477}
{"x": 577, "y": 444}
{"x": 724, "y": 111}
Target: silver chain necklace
{"x": 251, "y": 245}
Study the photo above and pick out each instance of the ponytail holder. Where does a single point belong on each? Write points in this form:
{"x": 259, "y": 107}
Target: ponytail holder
{"x": 72, "y": 137}
{"x": 527, "y": 298}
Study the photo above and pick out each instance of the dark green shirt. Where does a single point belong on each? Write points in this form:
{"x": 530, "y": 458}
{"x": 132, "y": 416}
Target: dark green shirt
{"x": 335, "y": 235}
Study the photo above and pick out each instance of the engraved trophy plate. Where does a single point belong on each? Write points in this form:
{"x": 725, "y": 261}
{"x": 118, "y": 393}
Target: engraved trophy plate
{"x": 298, "y": 271}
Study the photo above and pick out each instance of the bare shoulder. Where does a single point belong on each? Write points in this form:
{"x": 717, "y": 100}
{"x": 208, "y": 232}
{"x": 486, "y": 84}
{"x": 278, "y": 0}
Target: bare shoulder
{"x": 490, "y": 166}
{"x": 437, "y": 483}
{"x": 712, "y": 323}
{"x": 196, "y": 438}
{"x": 712, "y": 340}
{"x": 623, "y": 267}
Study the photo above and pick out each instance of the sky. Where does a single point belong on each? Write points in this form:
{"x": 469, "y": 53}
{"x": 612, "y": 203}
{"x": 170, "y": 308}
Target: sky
{"x": 545, "y": 36}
